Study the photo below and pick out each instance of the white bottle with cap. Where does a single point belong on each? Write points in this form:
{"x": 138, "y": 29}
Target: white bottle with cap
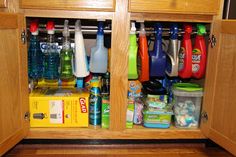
{"x": 81, "y": 68}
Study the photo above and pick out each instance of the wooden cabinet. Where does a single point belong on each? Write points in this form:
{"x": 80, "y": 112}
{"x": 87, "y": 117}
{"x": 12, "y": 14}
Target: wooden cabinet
{"x": 175, "y": 6}
{"x": 13, "y": 86}
{"x": 218, "y": 102}
{"x": 98, "y": 5}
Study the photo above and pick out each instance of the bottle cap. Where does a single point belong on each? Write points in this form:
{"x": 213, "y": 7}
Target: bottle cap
{"x": 158, "y": 29}
{"x": 201, "y": 29}
{"x": 100, "y": 28}
{"x": 95, "y": 83}
{"x": 66, "y": 32}
{"x": 78, "y": 25}
{"x": 133, "y": 28}
{"x": 174, "y": 31}
{"x": 188, "y": 28}
{"x": 50, "y": 27}
{"x": 142, "y": 29}
{"x": 34, "y": 27}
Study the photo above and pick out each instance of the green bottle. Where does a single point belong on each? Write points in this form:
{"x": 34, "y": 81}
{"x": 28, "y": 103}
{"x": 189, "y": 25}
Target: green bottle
{"x": 66, "y": 72}
{"x": 133, "y": 49}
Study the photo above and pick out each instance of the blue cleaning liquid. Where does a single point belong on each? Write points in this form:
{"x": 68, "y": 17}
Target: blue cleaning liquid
{"x": 51, "y": 59}
{"x": 51, "y": 64}
{"x": 35, "y": 59}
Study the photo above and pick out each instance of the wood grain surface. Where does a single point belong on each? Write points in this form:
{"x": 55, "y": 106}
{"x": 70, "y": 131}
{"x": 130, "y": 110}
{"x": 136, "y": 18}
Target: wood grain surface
{"x": 98, "y": 5}
{"x": 158, "y": 150}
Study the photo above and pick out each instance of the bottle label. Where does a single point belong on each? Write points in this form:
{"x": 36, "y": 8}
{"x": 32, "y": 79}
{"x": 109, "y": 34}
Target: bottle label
{"x": 181, "y": 58}
{"x": 196, "y": 59}
{"x": 56, "y": 111}
{"x": 95, "y": 106}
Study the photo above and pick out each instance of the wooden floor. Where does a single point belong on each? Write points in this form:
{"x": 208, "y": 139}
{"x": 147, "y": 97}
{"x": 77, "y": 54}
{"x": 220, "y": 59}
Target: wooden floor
{"x": 153, "y": 150}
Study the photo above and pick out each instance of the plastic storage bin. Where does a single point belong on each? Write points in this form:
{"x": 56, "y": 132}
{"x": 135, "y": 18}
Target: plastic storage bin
{"x": 187, "y": 104}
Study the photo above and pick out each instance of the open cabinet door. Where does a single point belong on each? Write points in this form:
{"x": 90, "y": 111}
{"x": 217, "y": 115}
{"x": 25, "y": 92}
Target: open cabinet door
{"x": 13, "y": 82}
{"x": 219, "y": 122}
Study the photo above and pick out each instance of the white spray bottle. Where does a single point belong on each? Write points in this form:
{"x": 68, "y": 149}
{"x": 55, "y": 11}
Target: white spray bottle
{"x": 80, "y": 68}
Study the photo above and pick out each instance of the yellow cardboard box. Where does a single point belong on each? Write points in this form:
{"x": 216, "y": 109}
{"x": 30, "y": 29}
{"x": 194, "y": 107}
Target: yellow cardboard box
{"x": 55, "y": 107}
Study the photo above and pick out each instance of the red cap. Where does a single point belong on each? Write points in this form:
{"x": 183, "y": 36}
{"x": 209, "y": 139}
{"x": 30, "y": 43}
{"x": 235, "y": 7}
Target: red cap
{"x": 34, "y": 26}
{"x": 188, "y": 28}
{"x": 50, "y": 25}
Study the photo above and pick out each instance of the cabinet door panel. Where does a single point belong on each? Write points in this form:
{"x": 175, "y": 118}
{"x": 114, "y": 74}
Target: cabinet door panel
{"x": 13, "y": 82}
{"x": 221, "y": 105}
{"x": 202, "y": 7}
{"x": 104, "y": 5}
{"x": 3, "y": 3}
{"x": 175, "y": 6}
{"x": 156, "y": 6}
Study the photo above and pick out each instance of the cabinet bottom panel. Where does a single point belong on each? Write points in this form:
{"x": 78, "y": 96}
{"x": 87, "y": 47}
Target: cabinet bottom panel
{"x": 138, "y": 132}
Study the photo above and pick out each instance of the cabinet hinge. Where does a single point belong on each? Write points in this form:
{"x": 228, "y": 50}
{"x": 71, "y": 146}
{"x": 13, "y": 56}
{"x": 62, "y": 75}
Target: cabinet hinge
{"x": 27, "y": 116}
{"x": 212, "y": 40}
{"x": 23, "y": 37}
{"x": 204, "y": 116}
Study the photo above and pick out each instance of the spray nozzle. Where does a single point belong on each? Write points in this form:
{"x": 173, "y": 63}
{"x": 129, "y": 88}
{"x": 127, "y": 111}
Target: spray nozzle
{"x": 50, "y": 27}
{"x": 174, "y": 31}
{"x": 201, "y": 29}
{"x": 34, "y": 27}
{"x": 66, "y": 32}
{"x": 142, "y": 29}
{"x": 158, "y": 29}
{"x": 100, "y": 28}
{"x": 133, "y": 28}
{"x": 188, "y": 28}
{"x": 78, "y": 25}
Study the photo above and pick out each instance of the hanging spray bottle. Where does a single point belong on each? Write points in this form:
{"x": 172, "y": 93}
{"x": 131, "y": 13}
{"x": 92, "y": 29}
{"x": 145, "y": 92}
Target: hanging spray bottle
{"x": 173, "y": 52}
{"x": 157, "y": 56}
{"x": 66, "y": 55}
{"x": 99, "y": 54}
{"x": 199, "y": 53}
{"x": 35, "y": 55}
{"x": 143, "y": 58}
{"x": 80, "y": 64}
{"x": 133, "y": 49}
{"x": 185, "y": 54}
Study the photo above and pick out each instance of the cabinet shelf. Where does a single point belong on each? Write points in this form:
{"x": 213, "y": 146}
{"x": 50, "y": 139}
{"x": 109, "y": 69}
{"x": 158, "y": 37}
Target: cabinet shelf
{"x": 138, "y": 132}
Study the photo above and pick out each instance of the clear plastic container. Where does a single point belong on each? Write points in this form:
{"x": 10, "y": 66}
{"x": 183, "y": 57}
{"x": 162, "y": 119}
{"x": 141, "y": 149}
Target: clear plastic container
{"x": 187, "y": 106}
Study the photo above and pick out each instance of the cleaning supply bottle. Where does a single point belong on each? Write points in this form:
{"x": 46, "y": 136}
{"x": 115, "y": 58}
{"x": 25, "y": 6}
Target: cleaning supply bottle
{"x": 95, "y": 103}
{"x": 185, "y": 54}
{"x": 66, "y": 55}
{"x": 143, "y": 58}
{"x": 199, "y": 53}
{"x": 80, "y": 64}
{"x": 35, "y": 55}
{"x": 157, "y": 59}
{"x": 172, "y": 60}
{"x": 99, "y": 54}
{"x": 133, "y": 49}
{"x": 51, "y": 56}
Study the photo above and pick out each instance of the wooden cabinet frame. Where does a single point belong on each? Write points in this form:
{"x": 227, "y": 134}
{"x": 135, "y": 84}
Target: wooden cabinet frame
{"x": 119, "y": 81}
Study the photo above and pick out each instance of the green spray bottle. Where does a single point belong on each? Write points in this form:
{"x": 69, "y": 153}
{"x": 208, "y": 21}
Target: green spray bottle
{"x": 133, "y": 49}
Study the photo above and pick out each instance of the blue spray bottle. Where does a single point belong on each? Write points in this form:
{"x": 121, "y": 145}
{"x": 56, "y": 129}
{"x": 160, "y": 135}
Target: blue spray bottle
{"x": 157, "y": 59}
{"x": 99, "y": 54}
